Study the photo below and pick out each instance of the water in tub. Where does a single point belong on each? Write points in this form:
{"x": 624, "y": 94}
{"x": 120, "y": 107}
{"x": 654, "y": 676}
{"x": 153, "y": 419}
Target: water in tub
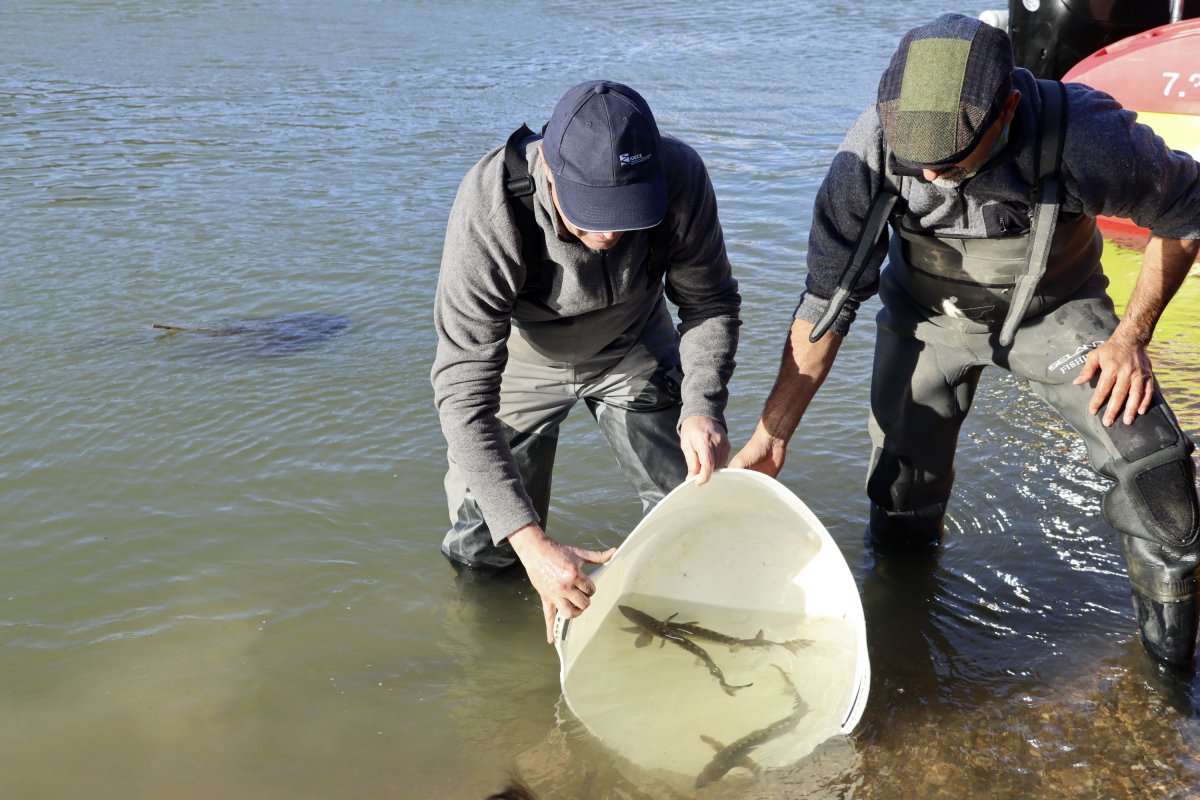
{"x": 661, "y": 705}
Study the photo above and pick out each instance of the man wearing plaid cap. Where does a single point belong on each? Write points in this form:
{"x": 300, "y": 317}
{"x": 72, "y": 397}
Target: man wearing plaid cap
{"x": 991, "y": 181}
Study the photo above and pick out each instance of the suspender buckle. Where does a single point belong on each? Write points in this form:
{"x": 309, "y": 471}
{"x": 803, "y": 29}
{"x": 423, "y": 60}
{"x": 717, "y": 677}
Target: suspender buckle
{"x": 521, "y": 186}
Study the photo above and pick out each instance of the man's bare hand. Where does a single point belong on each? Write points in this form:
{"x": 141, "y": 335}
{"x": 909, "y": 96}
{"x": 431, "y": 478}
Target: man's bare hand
{"x": 1120, "y": 366}
{"x": 1124, "y": 380}
{"x": 763, "y": 453}
{"x": 555, "y": 571}
{"x": 705, "y": 446}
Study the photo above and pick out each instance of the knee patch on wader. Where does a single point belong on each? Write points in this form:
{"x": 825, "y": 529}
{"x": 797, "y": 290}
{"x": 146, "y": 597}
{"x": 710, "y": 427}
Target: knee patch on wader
{"x": 907, "y": 509}
{"x": 1155, "y": 496}
{"x": 1154, "y": 506}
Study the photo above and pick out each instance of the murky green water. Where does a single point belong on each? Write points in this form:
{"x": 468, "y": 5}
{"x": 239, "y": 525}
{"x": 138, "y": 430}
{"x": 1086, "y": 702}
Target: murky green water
{"x": 219, "y": 573}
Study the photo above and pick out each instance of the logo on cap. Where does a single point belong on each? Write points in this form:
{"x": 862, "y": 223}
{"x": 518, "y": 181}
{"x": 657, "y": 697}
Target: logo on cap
{"x": 629, "y": 160}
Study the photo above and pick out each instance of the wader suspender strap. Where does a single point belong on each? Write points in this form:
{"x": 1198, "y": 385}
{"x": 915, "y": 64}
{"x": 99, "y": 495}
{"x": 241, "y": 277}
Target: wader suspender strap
{"x": 877, "y": 217}
{"x": 519, "y": 187}
{"x": 1048, "y": 198}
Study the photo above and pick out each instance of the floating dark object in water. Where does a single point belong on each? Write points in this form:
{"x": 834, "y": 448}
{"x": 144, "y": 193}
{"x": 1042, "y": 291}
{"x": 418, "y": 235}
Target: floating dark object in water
{"x": 270, "y": 336}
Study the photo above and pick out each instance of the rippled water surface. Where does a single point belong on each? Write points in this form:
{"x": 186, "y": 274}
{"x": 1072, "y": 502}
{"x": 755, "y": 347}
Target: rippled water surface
{"x": 219, "y": 573}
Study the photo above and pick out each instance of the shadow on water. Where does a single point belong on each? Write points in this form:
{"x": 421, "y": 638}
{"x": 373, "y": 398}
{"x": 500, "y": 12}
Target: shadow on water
{"x": 265, "y": 337}
{"x": 505, "y": 702}
{"x": 952, "y": 715}
{"x": 490, "y": 629}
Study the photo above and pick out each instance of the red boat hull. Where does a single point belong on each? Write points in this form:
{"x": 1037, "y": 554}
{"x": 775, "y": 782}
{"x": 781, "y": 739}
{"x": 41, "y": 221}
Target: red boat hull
{"x": 1157, "y": 74}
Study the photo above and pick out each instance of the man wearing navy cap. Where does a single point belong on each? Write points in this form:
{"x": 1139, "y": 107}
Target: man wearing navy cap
{"x": 991, "y": 181}
{"x": 556, "y": 271}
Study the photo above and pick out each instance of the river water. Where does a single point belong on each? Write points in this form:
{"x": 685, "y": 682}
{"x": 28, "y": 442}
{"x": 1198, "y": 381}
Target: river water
{"x": 219, "y": 573}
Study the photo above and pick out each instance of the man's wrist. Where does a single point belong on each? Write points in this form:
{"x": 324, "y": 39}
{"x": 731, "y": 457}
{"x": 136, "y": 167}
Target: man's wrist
{"x": 525, "y": 537}
{"x": 771, "y": 434}
{"x": 707, "y": 419}
{"x": 1131, "y": 333}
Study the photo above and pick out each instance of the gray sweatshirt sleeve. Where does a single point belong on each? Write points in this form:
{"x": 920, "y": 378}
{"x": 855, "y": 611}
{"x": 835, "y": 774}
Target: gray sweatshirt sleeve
{"x": 1118, "y": 167}
{"x": 700, "y": 282}
{"x": 480, "y": 276}
{"x": 839, "y": 215}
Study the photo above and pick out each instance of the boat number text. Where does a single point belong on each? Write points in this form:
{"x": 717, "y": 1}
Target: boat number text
{"x": 1173, "y": 78}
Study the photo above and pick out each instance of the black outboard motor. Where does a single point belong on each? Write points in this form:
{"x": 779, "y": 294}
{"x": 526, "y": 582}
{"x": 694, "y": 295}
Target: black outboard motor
{"x": 1051, "y": 36}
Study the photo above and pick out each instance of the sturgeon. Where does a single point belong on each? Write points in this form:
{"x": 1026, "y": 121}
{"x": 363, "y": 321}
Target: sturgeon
{"x": 738, "y": 753}
{"x": 651, "y": 627}
{"x": 695, "y": 631}
{"x": 269, "y": 336}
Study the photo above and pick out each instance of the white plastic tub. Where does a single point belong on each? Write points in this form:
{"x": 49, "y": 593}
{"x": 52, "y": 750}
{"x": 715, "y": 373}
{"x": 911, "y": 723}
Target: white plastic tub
{"x": 739, "y": 555}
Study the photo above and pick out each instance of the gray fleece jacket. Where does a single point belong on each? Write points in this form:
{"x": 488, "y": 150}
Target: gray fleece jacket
{"x": 483, "y": 292}
{"x": 1111, "y": 166}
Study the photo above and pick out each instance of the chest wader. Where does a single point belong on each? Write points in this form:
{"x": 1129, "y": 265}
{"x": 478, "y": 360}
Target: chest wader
{"x": 1034, "y": 305}
{"x": 631, "y": 387}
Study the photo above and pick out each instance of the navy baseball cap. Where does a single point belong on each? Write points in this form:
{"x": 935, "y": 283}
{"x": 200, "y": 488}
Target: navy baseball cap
{"x": 945, "y": 86}
{"x": 603, "y": 147}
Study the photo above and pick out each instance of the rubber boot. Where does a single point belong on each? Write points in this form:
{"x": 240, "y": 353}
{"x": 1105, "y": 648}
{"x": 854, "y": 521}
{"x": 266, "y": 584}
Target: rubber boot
{"x": 1168, "y": 629}
{"x": 1165, "y": 594}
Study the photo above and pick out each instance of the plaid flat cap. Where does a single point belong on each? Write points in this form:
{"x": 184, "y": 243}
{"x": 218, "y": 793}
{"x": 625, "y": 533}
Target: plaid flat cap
{"x": 944, "y": 87}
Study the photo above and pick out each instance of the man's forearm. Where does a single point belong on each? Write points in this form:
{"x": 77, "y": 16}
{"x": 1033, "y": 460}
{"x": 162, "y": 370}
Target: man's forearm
{"x": 803, "y": 369}
{"x": 1166, "y": 264}
{"x": 706, "y": 353}
{"x": 477, "y": 443}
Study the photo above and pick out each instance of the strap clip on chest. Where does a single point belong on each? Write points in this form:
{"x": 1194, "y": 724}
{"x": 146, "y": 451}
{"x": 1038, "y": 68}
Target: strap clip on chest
{"x": 877, "y": 217}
